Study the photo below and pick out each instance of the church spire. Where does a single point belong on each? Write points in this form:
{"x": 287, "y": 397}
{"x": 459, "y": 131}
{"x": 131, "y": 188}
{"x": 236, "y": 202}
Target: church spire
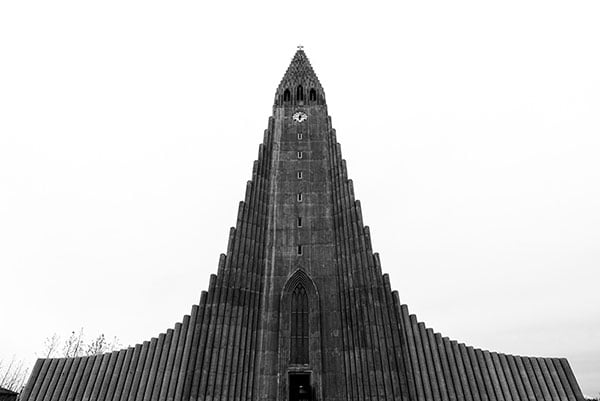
{"x": 299, "y": 308}
{"x": 299, "y": 85}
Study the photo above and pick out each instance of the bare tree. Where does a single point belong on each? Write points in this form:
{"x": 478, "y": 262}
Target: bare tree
{"x": 73, "y": 345}
{"x": 76, "y": 345}
{"x": 101, "y": 345}
{"x": 13, "y": 374}
{"x": 51, "y": 345}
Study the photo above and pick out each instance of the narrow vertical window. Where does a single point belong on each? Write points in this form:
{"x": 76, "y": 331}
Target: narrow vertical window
{"x": 299, "y": 196}
{"x": 287, "y": 96}
{"x": 299, "y": 326}
{"x": 299, "y": 155}
{"x": 299, "y": 221}
{"x": 299, "y": 175}
{"x": 299, "y": 93}
{"x": 299, "y": 250}
{"x": 313, "y": 95}
{"x": 299, "y": 135}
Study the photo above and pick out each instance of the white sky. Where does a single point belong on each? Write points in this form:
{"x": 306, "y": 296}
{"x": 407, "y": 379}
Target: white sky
{"x": 471, "y": 130}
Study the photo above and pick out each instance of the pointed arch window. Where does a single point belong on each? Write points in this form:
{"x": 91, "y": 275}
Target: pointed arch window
{"x": 287, "y": 96}
{"x": 313, "y": 95}
{"x": 299, "y": 326}
{"x": 299, "y": 93}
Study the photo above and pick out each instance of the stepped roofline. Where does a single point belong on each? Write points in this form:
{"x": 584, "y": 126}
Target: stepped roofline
{"x": 299, "y": 307}
{"x": 300, "y": 84}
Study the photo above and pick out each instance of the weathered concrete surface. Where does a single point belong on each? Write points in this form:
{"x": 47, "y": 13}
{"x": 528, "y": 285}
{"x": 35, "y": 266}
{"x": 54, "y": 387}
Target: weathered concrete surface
{"x": 362, "y": 342}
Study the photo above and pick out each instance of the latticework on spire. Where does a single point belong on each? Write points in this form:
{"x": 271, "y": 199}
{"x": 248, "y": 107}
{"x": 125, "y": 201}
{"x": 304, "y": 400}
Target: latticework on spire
{"x": 300, "y": 74}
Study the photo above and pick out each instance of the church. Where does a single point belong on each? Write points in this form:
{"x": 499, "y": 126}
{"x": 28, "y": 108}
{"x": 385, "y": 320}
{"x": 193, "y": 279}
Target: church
{"x": 300, "y": 309}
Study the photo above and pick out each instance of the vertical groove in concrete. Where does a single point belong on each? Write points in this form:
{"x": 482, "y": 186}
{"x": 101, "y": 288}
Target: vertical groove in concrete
{"x": 94, "y": 395}
{"x": 178, "y": 357}
{"x": 572, "y": 380}
{"x": 224, "y": 365}
{"x": 459, "y": 377}
{"x": 532, "y": 393}
{"x": 437, "y": 365}
{"x": 432, "y": 374}
{"x": 152, "y": 375}
{"x": 446, "y": 369}
{"x": 130, "y": 375}
{"x": 70, "y": 375}
{"x": 540, "y": 378}
{"x": 348, "y": 336}
{"x": 402, "y": 347}
{"x": 494, "y": 376}
{"x": 189, "y": 372}
{"x": 138, "y": 394}
{"x": 30, "y": 385}
{"x": 162, "y": 365}
{"x": 77, "y": 378}
{"x": 531, "y": 377}
{"x": 516, "y": 376}
{"x": 462, "y": 371}
{"x": 547, "y": 378}
{"x": 489, "y": 388}
{"x": 46, "y": 379}
{"x": 185, "y": 353}
{"x": 42, "y": 365}
{"x": 209, "y": 351}
{"x": 116, "y": 374}
{"x": 397, "y": 342}
{"x": 59, "y": 373}
{"x": 85, "y": 377}
{"x": 471, "y": 359}
{"x": 93, "y": 376}
{"x": 166, "y": 379}
{"x": 563, "y": 379}
{"x": 425, "y": 378}
{"x": 199, "y": 366}
{"x": 562, "y": 395}
{"x": 414, "y": 358}
{"x": 238, "y": 299}
{"x": 137, "y": 372}
{"x": 508, "y": 377}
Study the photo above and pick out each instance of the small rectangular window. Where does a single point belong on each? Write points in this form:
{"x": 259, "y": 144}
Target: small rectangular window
{"x": 300, "y": 197}
{"x": 299, "y": 251}
{"x": 299, "y": 155}
{"x": 299, "y": 175}
{"x": 299, "y": 135}
{"x": 299, "y": 221}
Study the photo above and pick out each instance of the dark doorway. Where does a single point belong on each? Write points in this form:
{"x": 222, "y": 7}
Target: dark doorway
{"x": 300, "y": 388}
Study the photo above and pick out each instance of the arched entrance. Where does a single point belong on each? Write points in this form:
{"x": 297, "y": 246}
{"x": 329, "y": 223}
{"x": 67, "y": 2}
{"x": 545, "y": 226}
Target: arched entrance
{"x": 300, "y": 340}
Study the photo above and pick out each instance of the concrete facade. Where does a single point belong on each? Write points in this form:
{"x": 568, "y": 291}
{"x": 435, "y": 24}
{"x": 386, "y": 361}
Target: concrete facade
{"x": 299, "y": 308}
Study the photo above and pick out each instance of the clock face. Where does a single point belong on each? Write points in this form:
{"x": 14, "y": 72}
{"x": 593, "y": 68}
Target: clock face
{"x": 300, "y": 116}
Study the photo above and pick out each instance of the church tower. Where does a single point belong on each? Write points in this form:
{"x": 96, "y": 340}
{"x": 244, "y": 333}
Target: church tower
{"x": 325, "y": 318}
{"x": 299, "y": 309}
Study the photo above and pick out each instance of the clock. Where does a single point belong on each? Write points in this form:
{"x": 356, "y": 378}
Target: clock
{"x": 299, "y": 116}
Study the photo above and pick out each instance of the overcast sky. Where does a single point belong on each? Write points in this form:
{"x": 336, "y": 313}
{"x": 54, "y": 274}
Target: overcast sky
{"x": 471, "y": 130}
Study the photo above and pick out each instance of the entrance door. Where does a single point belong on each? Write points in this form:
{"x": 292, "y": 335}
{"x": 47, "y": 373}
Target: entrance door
{"x": 300, "y": 389}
